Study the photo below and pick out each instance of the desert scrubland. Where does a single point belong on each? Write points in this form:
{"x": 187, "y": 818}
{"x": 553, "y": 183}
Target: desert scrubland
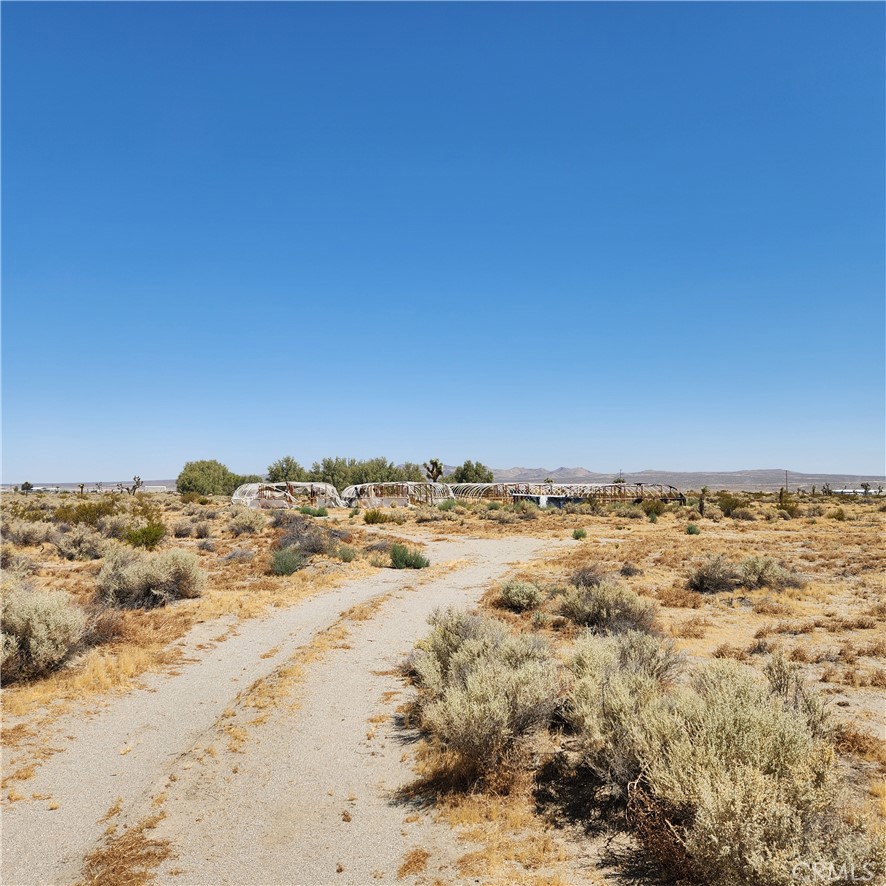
{"x": 474, "y": 692}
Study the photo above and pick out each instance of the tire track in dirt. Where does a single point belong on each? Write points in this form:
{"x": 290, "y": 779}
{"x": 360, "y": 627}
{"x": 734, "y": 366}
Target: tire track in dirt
{"x": 272, "y": 810}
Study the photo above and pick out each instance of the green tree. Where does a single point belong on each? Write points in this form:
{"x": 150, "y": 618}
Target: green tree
{"x": 26, "y": 487}
{"x": 337, "y": 471}
{"x": 434, "y": 469}
{"x": 471, "y": 472}
{"x": 208, "y": 477}
{"x": 286, "y": 468}
{"x": 412, "y": 472}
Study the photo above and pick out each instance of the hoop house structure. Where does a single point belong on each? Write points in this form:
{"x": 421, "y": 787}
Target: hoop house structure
{"x": 558, "y": 494}
{"x": 287, "y": 495}
{"x": 404, "y": 493}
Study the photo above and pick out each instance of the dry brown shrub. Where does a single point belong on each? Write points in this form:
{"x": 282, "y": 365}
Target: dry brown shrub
{"x": 679, "y": 598}
{"x": 694, "y": 627}
{"x": 726, "y": 650}
{"x": 849, "y": 739}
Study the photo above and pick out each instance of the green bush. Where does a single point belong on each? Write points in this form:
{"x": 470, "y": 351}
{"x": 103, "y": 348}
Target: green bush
{"x": 579, "y": 534}
{"x": 148, "y": 535}
{"x": 448, "y": 505}
{"x": 308, "y": 511}
{"x": 40, "y": 630}
{"x": 481, "y": 688}
{"x": 287, "y": 560}
{"x": 377, "y": 515}
{"x": 91, "y": 511}
{"x": 407, "y": 558}
{"x": 714, "y": 575}
{"x": 520, "y": 595}
{"x": 346, "y": 554}
{"x": 728, "y": 502}
{"x": 692, "y": 529}
{"x": 144, "y": 581}
{"x": 652, "y": 506}
{"x": 608, "y": 607}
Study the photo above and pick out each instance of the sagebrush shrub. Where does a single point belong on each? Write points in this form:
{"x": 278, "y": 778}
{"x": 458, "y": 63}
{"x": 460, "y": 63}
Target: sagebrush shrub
{"x": 715, "y": 574}
{"x": 182, "y": 529}
{"x": 144, "y": 581}
{"x": 724, "y": 780}
{"x": 307, "y": 536}
{"x": 202, "y": 530}
{"x": 407, "y": 558}
{"x": 609, "y": 607}
{"x": 115, "y": 526}
{"x": 40, "y": 629}
{"x": 346, "y": 554}
{"x": 579, "y": 534}
{"x": 760, "y": 572}
{"x": 28, "y": 533}
{"x": 587, "y": 576}
{"x": 482, "y": 688}
{"x": 520, "y": 595}
{"x": 81, "y": 543}
{"x": 246, "y": 521}
{"x": 287, "y": 560}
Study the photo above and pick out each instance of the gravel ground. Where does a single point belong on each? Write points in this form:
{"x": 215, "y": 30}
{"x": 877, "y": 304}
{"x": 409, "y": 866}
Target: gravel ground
{"x": 308, "y": 796}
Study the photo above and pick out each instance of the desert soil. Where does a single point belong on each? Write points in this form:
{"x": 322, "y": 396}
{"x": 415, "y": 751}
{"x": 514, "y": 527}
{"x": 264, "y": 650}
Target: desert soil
{"x": 273, "y": 754}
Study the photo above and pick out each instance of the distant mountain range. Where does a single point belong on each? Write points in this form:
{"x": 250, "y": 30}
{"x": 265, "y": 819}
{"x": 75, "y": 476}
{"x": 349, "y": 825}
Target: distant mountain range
{"x": 761, "y": 480}
{"x": 765, "y": 479}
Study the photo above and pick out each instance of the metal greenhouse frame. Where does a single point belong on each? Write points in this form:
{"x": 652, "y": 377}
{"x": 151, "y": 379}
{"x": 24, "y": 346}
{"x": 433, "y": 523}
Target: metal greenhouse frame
{"x": 286, "y": 495}
{"x": 401, "y": 493}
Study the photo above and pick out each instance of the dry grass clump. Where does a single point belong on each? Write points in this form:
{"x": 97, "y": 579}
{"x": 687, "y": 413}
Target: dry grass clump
{"x": 481, "y": 689}
{"x": 726, "y": 780}
{"x": 148, "y": 580}
{"x": 609, "y": 607}
{"x": 40, "y": 629}
{"x": 520, "y": 596}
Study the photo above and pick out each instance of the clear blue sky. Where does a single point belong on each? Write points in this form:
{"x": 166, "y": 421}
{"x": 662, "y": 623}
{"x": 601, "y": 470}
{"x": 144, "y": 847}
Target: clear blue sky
{"x": 611, "y": 235}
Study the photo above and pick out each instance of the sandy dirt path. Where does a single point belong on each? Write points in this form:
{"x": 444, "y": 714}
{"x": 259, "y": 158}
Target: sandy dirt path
{"x": 273, "y": 757}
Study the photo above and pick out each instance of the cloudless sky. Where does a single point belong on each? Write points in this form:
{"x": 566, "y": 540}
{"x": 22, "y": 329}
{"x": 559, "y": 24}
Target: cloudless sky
{"x": 610, "y": 235}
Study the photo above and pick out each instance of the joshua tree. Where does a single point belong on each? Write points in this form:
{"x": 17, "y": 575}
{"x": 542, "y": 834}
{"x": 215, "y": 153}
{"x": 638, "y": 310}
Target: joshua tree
{"x": 433, "y": 469}
{"x": 27, "y": 487}
{"x": 866, "y": 487}
{"x": 136, "y": 485}
{"x": 549, "y": 480}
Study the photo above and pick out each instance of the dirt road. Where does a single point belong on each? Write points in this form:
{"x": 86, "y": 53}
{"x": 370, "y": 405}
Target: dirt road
{"x": 271, "y": 757}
